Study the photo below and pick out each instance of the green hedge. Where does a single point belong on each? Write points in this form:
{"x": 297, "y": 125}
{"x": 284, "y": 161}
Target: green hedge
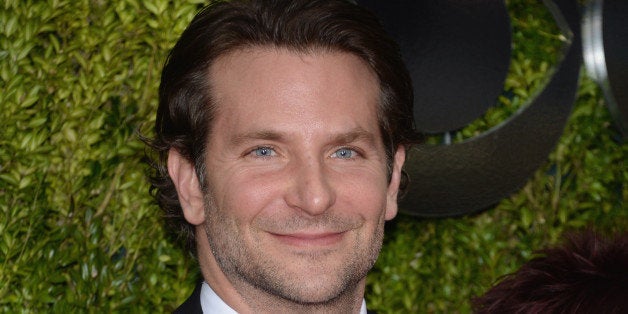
{"x": 79, "y": 231}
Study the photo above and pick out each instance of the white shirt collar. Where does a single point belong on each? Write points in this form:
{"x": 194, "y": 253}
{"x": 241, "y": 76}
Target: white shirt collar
{"x": 212, "y": 303}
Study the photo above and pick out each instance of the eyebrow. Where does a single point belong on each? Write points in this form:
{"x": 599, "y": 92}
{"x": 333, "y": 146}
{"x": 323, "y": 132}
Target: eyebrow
{"x": 256, "y": 135}
{"x": 354, "y": 135}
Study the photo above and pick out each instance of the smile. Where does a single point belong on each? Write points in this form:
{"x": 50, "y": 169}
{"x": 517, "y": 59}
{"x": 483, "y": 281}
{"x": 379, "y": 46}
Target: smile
{"x": 305, "y": 240}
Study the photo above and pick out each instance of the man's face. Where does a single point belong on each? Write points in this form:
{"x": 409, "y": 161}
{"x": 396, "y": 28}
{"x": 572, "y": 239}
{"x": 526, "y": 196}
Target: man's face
{"x": 297, "y": 183}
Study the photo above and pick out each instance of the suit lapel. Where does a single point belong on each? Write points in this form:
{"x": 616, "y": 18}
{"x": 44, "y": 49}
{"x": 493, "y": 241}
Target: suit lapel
{"x": 193, "y": 304}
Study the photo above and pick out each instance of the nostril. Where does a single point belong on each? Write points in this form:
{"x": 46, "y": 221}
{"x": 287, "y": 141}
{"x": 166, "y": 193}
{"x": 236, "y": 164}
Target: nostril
{"x": 311, "y": 191}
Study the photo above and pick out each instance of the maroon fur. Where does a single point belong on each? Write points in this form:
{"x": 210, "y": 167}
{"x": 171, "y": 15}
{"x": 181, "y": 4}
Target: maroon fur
{"x": 588, "y": 274}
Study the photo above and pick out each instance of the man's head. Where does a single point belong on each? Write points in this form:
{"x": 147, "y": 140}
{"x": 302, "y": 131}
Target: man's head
{"x": 281, "y": 133}
{"x": 186, "y": 108}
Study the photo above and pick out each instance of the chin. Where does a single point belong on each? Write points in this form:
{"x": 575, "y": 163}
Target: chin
{"x": 320, "y": 287}
{"x": 319, "y": 293}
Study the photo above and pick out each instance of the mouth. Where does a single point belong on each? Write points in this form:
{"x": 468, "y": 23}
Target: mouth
{"x": 307, "y": 239}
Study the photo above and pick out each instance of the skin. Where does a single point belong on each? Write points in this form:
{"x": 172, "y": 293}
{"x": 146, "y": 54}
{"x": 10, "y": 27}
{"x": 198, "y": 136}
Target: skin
{"x": 297, "y": 188}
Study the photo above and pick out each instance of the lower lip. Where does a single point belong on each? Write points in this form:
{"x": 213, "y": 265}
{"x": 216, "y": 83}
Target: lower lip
{"x": 310, "y": 240}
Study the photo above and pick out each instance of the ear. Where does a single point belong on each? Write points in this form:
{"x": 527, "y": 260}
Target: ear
{"x": 183, "y": 175}
{"x": 395, "y": 180}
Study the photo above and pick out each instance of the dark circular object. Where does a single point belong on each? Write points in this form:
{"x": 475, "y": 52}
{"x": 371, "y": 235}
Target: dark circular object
{"x": 467, "y": 177}
{"x": 605, "y": 48}
{"x": 457, "y": 52}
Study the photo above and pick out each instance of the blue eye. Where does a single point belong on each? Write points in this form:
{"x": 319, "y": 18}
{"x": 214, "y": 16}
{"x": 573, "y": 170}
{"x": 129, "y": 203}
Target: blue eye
{"x": 344, "y": 153}
{"x": 264, "y": 152}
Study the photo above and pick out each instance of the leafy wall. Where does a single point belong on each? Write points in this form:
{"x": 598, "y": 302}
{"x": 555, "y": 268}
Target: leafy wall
{"x": 79, "y": 232}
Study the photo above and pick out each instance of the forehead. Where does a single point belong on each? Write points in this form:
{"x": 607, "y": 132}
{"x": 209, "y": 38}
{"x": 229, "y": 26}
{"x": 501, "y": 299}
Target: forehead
{"x": 263, "y": 87}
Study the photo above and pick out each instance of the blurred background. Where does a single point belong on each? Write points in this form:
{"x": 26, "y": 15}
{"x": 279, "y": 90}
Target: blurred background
{"x": 80, "y": 232}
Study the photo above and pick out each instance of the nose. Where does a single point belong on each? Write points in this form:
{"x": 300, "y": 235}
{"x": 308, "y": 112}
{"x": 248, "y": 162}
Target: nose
{"x": 310, "y": 191}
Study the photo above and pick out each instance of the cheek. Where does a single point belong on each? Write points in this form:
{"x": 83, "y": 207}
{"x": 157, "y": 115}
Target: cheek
{"x": 244, "y": 196}
{"x": 363, "y": 193}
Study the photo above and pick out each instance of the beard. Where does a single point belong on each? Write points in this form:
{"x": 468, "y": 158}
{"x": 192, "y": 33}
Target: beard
{"x": 313, "y": 278}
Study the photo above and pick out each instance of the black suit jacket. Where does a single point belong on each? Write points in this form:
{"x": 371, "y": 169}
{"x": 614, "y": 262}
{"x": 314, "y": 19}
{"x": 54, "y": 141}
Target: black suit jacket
{"x": 193, "y": 304}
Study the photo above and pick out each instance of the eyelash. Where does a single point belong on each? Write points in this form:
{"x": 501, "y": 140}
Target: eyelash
{"x": 267, "y": 148}
{"x": 355, "y": 152}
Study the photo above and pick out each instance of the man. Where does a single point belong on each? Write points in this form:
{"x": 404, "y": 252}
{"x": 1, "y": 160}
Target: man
{"x": 281, "y": 130}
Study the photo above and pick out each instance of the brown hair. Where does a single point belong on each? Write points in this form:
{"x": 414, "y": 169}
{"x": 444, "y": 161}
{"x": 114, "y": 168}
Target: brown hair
{"x": 589, "y": 274}
{"x": 185, "y": 110}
